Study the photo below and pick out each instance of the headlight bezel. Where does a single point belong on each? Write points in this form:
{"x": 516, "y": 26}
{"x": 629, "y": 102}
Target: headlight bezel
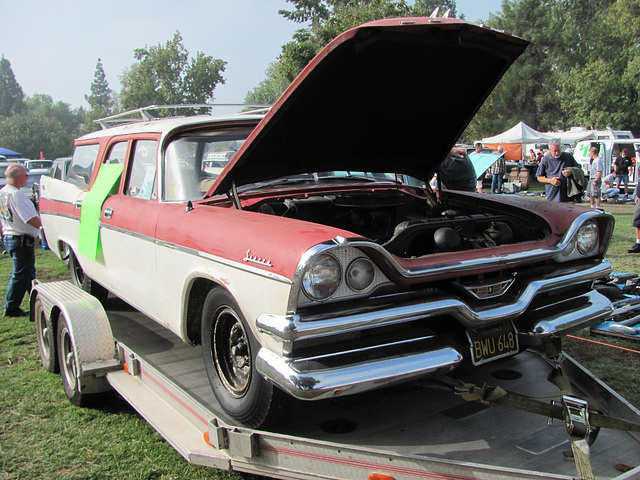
{"x": 595, "y": 224}
{"x": 346, "y": 255}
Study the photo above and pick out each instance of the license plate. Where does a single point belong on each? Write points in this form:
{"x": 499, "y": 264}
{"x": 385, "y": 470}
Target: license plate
{"x": 490, "y": 343}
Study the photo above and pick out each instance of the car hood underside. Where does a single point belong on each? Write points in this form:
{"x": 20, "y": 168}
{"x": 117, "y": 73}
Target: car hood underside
{"x": 389, "y": 95}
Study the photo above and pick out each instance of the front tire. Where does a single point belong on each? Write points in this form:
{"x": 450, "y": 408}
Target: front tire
{"x": 46, "y": 338}
{"x": 229, "y": 349}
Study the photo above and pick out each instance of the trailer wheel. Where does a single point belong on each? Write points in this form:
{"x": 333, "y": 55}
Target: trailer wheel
{"x": 46, "y": 338}
{"x": 81, "y": 280}
{"x": 69, "y": 365}
{"x": 229, "y": 349}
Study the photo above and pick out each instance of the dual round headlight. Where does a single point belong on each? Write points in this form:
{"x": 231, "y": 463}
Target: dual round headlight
{"x": 323, "y": 276}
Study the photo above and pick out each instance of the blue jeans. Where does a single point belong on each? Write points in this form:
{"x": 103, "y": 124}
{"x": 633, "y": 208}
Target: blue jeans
{"x": 496, "y": 178}
{"x": 24, "y": 271}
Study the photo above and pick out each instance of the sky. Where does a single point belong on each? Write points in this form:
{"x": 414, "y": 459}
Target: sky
{"x": 54, "y": 46}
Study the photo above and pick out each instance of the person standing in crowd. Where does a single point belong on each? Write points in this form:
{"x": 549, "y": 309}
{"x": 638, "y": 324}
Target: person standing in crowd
{"x": 20, "y": 229}
{"x": 498, "y": 169}
{"x": 456, "y": 172}
{"x": 594, "y": 187}
{"x": 621, "y": 170}
{"x": 636, "y": 221}
{"x": 478, "y": 147}
{"x": 554, "y": 170}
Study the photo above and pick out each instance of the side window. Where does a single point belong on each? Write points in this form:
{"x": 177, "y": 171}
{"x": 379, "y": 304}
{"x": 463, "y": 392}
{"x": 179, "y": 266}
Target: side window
{"x": 84, "y": 158}
{"x": 117, "y": 153}
{"x": 142, "y": 174}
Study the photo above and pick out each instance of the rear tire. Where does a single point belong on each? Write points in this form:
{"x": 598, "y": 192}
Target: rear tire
{"x": 46, "y": 338}
{"x": 81, "y": 280}
{"x": 229, "y": 349}
{"x": 67, "y": 360}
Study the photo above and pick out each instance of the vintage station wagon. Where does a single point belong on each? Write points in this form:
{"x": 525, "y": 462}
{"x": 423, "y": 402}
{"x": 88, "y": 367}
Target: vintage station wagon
{"x": 301, "y": 245}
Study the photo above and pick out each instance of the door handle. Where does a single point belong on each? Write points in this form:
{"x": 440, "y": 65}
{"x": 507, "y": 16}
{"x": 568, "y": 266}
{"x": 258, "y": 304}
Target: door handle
{"x": 108, "y": 212}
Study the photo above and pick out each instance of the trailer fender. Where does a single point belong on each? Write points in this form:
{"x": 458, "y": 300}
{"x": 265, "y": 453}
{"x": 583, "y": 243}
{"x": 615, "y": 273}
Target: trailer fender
{"x": 91, "y": 336}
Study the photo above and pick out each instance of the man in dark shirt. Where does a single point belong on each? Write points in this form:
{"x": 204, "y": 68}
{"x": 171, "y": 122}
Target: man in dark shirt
{"x": 554, "y": 170}
{"x": 621, "y": 170}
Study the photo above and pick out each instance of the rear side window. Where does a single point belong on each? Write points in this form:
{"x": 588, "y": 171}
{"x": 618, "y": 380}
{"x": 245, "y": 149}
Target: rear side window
{"x": 84, "y": 158}
{"x": 142, "y": 174}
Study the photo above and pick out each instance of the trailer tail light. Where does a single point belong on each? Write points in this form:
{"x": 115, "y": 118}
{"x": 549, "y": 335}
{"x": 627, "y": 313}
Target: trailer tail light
{"x": 380, "y": 476}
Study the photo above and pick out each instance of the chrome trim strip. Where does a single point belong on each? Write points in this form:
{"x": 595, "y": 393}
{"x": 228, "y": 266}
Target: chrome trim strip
{"x": 192, "y": 251}
{"x": 290, "y": 327}
{"x": 354, "y": 378}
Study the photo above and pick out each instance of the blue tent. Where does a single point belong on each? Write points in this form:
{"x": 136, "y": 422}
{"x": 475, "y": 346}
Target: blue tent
{"x": 9, "y": 153}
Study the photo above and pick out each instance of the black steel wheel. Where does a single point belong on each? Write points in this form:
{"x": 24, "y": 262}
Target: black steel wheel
{"x": 229, "y": 349}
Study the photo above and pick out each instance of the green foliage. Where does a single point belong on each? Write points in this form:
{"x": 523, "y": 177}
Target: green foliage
{"x": 269, "y": 89}
{"x": 43, "y": 126}
{"x": 603, "y": 90}
{"x": 101, "y": 101}
{"x": 11, "y": 96}
{"x": 164, "y": 76}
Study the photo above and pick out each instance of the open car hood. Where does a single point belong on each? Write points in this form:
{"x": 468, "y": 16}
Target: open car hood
{"x": 388, "y": 96}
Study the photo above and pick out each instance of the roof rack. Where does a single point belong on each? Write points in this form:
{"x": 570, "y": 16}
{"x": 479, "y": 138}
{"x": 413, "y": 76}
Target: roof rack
{"x": 144, "y": 114}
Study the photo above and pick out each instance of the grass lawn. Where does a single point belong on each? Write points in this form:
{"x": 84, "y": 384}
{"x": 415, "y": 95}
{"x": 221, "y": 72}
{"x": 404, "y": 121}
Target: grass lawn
{"x": 43, "y": 436}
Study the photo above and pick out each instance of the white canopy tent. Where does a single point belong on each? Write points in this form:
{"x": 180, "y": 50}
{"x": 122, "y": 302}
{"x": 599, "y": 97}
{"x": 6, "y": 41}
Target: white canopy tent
{"x": 515, "y": 138}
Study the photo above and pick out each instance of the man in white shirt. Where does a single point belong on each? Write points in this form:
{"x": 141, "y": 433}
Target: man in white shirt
{"x": 594, "y": 188}
{"x": 20, "y": 229}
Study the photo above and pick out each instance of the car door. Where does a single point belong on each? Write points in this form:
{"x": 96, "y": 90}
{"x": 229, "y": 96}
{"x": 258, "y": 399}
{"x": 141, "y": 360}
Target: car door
{"x": 61, "y": 200}
{"x": 128, "y": 225}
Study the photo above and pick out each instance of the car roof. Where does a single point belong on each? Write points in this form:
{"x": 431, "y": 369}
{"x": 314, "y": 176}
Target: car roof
{"x": 161, "y": 125}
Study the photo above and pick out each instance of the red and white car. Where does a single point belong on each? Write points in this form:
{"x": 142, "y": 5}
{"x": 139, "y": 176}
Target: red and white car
{"x": 308, "y": 264}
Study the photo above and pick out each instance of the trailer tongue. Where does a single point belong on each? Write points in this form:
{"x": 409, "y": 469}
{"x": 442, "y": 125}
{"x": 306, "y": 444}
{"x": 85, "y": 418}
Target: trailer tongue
{"x": 488, "y": 424}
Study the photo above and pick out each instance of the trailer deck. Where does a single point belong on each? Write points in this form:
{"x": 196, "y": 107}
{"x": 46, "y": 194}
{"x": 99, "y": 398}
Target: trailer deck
{"x": 404, "y": 432}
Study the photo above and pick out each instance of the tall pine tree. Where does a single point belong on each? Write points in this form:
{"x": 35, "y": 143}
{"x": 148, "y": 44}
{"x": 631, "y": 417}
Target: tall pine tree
{"x": 11, "y": 96}
{"x": 100, "y": 98}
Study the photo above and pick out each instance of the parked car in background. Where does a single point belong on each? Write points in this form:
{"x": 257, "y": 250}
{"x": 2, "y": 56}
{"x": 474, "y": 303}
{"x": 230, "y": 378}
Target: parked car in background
{"x": 60, "y": 168}
{"x": 302, "y": 263}
{"x": 39, "y": 167}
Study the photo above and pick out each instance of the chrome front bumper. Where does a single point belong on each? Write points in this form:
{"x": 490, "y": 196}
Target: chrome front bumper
{"x": 362, "y": 369}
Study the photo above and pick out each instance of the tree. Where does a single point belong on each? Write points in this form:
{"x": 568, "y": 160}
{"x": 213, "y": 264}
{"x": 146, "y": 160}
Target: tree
{"x": 164, "y": 76}
{"x": 603, "y": 90}
{"x": 100, "y": 99}
{"x": 536, "y": 89}
{"x": 11, "y": 96}
{"x": 268, "y": 91}
{"x": 42, "y": 126}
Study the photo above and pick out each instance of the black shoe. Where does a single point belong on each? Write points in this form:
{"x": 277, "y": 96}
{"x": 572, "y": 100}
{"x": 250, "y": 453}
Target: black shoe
{"x": 16, "y": 313}
{"x": 634, "y": 249}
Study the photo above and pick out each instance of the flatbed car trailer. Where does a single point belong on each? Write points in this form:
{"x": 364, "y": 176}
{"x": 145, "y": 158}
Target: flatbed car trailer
{"x": 415, "y": 431}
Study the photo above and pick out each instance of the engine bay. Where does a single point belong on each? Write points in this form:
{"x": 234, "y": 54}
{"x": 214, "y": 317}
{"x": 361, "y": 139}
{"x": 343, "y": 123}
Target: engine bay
{"x": 406, "y": 225}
